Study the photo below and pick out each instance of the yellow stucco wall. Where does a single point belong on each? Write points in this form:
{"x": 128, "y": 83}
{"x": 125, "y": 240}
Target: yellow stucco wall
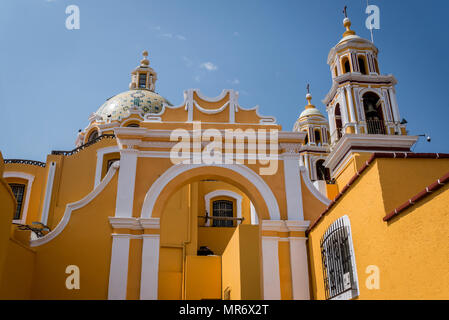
{"x": 18, "y": 275}
{"x": 241, "y": 264}
{"x": 411, "y": 251}
{"x": 203, "y": 277}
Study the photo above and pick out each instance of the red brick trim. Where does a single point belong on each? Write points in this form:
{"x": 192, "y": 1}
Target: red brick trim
{"x": 401, "y": 155}
{"x": 421, "y": 195}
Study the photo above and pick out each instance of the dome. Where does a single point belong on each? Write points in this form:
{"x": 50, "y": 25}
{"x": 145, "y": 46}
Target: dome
{"x": 311, "y": 112}
{"x": 118, "y": 107}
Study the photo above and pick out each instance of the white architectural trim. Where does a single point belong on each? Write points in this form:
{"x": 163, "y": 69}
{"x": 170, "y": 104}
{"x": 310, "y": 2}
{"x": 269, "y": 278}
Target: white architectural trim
{"x": 254, "y": 216}
{"x": 48, "y": 192}
{"x": 299, "y": 268}
{"x": 293, "y": 193}
{"x": 118, "y": 272}
{"x": 225, "y": 193}
{"x": 126, "y": 183}
{"x": 270, "y": 268}
{"x": 174, "y": 171}
{"x": 355, "y": 293}
{"x": 364, "y": 141}
{"x": 270, "y": 262}
{"x": 26, "y": 200}
{"x": 311, "y": 187}
{"x": 150, "y": 267}
{"x": 75, "y": 206}
{"x": 100, "y": 155}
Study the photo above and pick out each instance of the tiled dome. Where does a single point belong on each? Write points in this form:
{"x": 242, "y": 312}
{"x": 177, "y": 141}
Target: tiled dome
{"x": 118, "y": 107}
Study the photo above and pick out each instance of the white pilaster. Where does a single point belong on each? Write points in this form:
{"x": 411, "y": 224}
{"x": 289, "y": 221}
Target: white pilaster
{"x": 293, "y": 192}
{"x": 394, "y": 105}
{"x": 126, "y": 183}
{"x": 270, "y": 264}
{"x": 48, "y": 192}
{"x": 150, "y": 267}
{"x": 118, "y": 274}
{"x": 298, "y": 261}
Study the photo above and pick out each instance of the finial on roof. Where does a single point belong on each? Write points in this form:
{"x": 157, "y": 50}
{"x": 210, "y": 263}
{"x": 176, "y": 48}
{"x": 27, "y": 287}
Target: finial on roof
{"x": 309, "y": 98}
{"x": 144, "y": 61}
{"x": 347, "y": 24}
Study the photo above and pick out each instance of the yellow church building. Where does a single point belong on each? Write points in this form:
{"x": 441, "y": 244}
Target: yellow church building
{"x": 212, "y": 200}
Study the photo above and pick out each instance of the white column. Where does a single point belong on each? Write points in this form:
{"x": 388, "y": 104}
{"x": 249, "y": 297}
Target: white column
{"x": 344, "y": 108}
{"x": 270, "y": 265}
{"x": 293, "y": 192}
{"x": 394, "y": 105}
{"x": 126, "y": 183}
{"x": 150, "y": 267}
{"x": 351, "y": 103}
{"x": 48, "y": 192}
{"x": 118, "y": 274}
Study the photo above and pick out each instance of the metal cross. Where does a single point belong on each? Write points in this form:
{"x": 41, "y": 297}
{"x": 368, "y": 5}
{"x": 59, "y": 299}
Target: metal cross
{"x": 308, "y": 88}
{"x": 345, "y": 11}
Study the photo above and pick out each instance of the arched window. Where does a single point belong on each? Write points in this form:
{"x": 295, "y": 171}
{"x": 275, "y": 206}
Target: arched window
{"x": 337, "y": 254}
{"x": 338, "y": 123}
{"x": 318, "y": 141}
{"x": 322, "y": 172}
{"x": 372, "y": 106}
{"x": 306, "y": 140}
{"x": 362, "y": 65}
{"x": 93, "y": 136}
{"x": 346, "y": 65}
{"x": 223, "y": 209}
{"x": 133, "y": 125}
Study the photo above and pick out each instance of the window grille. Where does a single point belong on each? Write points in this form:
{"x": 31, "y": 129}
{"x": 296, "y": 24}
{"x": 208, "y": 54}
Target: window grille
{"x": 223, "y": 208}
{"x": 339, "y": 272}
{"x": 19, "y": 191}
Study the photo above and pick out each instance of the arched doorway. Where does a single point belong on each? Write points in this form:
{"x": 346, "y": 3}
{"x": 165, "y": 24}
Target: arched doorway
{"x": 372, "y": 106}
{"x": 178, "y": 261}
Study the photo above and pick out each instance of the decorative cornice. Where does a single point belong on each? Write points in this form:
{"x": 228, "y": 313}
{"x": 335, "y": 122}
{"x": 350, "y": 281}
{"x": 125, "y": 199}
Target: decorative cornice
{"x": 361, "y": 141}
{"x": 357, "y": 78}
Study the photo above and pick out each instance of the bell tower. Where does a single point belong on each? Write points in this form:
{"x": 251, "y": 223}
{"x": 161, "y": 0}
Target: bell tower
{"x": 361, "y": 100}
{"x": 362, "y": 108}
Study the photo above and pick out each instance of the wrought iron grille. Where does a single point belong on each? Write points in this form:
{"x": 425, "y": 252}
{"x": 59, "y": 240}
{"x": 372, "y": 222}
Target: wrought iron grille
{"x": 22, "y": 161}
{"x": 76, "y": 150}
{"x": 19, "y": 191}
{"x": 337, "y": 260}
{"x": 223, "y": 208}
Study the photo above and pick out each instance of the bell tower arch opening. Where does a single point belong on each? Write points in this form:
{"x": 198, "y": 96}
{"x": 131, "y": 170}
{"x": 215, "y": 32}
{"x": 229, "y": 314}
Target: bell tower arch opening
{"x": 372, "y": 106}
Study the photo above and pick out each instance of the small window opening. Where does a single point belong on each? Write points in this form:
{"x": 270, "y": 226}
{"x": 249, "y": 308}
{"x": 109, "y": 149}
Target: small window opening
{"x": 19, "y": 191}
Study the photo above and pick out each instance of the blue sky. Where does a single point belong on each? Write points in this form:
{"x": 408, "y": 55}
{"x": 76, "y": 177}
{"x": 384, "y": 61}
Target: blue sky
{"x": 52, "y": 79}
